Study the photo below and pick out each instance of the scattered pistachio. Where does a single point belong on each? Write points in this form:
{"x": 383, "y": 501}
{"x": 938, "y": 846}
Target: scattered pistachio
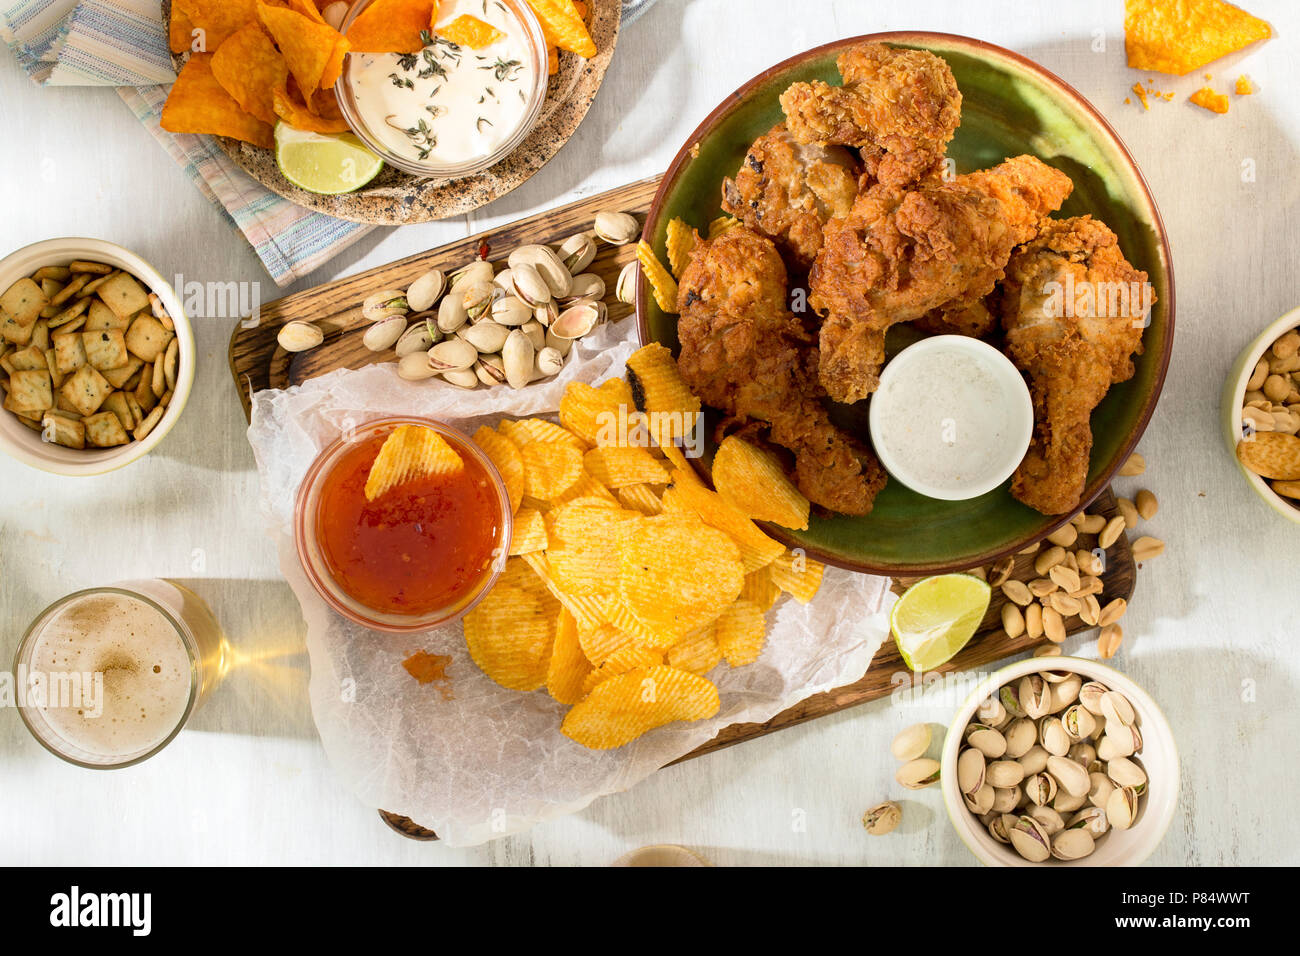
{"x": 882, "y": 818}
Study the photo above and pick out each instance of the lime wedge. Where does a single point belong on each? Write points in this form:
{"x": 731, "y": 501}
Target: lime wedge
{"x": 324, "y": 163}
{"x": 935, "y": 618}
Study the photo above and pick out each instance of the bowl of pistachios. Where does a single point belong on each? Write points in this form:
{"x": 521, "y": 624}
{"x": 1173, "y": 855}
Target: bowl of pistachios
{"x": 1060, "y": 761}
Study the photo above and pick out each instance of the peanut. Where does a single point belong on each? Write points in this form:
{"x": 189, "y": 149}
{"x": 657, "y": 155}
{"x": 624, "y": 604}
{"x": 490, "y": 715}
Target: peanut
{"x": 1134, "y": 466}
{"x": 1259, "y": 419}
{"x": 1053, "y": 625}
{"x": 1063, "y": 576}
{"x": 1288, "y": 344}
{"x": 1090, "y": 613}
{"x": 1088, "y": 562}
{"x": 1146, "y": 547}
{"x": 1109, "y": 640}
{"x": 1063, "y": 604}
{"x": 1276, "y": 388}
{"x": 1013, "y": 622}
{"x": 1001, "y": 571}
{"x": 1047, "y": 650}
{"x": 1147, "y": 505}
{"x": 1041, "y": 587}
{"x": 1128, "y": 511}
{"x": 1110, "y": 534}
{"x": 1018, "y": 592}
{"x": 1032, "y": 549}
{"x": 1092, "y": 524}
{"x": 1112, "y": 612}
{"x": 1256, "y": 380}
{"x": 1049, "y": 559}
{"x": 1065, "y": 535}
{"x": 1034, "y": 621}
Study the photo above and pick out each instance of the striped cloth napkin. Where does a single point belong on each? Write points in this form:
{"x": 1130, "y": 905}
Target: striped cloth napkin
{"x": 123, "y": 43}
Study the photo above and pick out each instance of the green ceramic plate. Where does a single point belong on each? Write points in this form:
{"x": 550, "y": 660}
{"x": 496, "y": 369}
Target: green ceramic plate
{"x": 1009, "y": 106}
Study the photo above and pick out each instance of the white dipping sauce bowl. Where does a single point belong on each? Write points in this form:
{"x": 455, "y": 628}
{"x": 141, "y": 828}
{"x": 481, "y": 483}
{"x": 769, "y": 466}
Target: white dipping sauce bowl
{"x": 916, "y": 404}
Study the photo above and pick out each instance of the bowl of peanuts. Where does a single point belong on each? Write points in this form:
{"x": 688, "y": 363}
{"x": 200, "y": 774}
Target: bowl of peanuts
{"x": 1261, "y": 414}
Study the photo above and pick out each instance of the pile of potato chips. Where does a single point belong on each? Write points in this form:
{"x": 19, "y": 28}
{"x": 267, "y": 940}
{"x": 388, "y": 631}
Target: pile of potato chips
{"x": 253, "y": 62}
{"x": 628, "y": 579}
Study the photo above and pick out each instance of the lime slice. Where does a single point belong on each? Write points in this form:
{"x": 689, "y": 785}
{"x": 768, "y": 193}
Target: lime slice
{"x": 324, "y": 163}
{"x": 935, "y": 618}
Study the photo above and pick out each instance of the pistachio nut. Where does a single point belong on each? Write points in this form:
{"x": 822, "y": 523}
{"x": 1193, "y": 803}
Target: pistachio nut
{"x": 1078, "y": 723}
{"x": 1066, "y": 692}
{"x": 552, "y": 341}
{"x": 490, "y": 370}
{"x": 987, "y": 741}
{"x": 1070, "y": 776}
{"x": 1067, "y": 802}
{"x": 487, "y": 336}
{"x": 1020, "y": 735}
{"x": 452, "y": 355}
{"x": 461, "y": 377}
{"x": 998, "y": 829}
{"x": 1073, "y": 844}
{"x": 918, "y": 774}
{"x": 547, "y": 313}
{"x": 625, "y": 288}
{"x": 1083, "y": 753}
{"x": 548, "y": 362}
{"x": 1100, "y": 788}
{"x": 1115, "y": 707}
{"x": 1051, "y": 821}
{"x": 517, "y": 355}
{"x": 543, "y": 259}
{"x": 587, "y": 285}
{"x": 423, "y": 293}
{"x": 1034, "y": 760}
{"x": 415, "y": 339}
{"x": 451, "y": 314}
{"x": 970, "y": 771}
{"x": 616, "y": 228}
{"x": 536, "y": 333}
{"x": 511, "y": 310}
{"x": 991, "y": 713}
{"x": 1126, "y": 773}
{"x": 911, "y": 742}
{"x": 1040, "y": 789}
{"x": 882, "y": 818}
{"x": 384, "y": 333}
{"x": 1035, "y": 696}
{"x": 415, "y": 367}
{"x": 1052, "y": 735}
{"x": 1114, "y": 744}
{"x": 299, "y": 336}
{"x": 1090, "y": 695}
{"x": 529, "y": 285}
{"x": 1030, "y": 840}
{"x": 1006, "y": 799}
{"x": 386, "y": 304}
{"x": 1004, "y": 773}
{"x": 1009, "y": 696}
{"x": 577, "y": 252}
{"x": 981, "y": 801}
{"x": 1093, "y": 819}
{"x": 477, "y": 271}
{"x": 1122, "y": 808}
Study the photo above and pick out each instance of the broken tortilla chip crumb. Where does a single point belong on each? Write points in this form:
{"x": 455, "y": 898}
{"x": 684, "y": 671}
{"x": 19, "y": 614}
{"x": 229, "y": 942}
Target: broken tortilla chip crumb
{"x": 1178, "y": 36}
{"x": 1141, "y": 95}
{"x": 1206, "y": 98}
{"x": 1243, "y": 87}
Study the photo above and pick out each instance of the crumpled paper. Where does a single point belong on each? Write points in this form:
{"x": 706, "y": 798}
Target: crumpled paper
{"x": 479, "y": 761}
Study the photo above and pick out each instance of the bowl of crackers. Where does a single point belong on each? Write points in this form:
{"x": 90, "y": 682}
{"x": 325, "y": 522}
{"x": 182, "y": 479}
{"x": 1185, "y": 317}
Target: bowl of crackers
{"x": 96, "y": 356}
{"x": 1261, "y": 414}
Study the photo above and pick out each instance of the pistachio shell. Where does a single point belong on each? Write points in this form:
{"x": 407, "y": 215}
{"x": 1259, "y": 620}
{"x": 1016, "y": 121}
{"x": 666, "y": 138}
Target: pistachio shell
{"x": 991, "y": 713}
{"x": 517, "y": 356}
{"x": 882, "y": 818}
{"x": 536, "y": 333}
{"x": 1114, "y": 745}
{"x": 1030, "y": 840}
{"x": 1020, "y": 735}
{"x": 548, "y": 362}
{"x": 1066, "y": 802}
{"x": 1040, "y": 789}
{"x": 1034, "y": 759}
{"x": 547, "y": 264}
{"x": 1052, "y": 735}
{"x": 625, "y": 288}
{"x": 1083, "y": 753}
{"x": 476, "y": 271}
{"x": 452, "y": 355}
{"x": 1071, "y": 777}
{"x": 998, "y": 830}
{"x": 1072, "y": 844}
{"x": 415, "y": 367}
{"x": 502, "y": 280}
{"x": 577, "y": 320}
{"x": 1004, "y": 773}
{"x": 415, "y": 339}
{"x": 1066, "y": 692}
{"x": 1122, "y": 808}
{"x": 587, "y": 285}
{"x": 1126, "y": 773}
{"x": 560, "y": 345}
{"x": 425, "y": 291}
{"x": 384, "y": 333}
{"x": 461, "y": 377}
{"x": 918, "y": 774}
{"x": 1035, "y": 696}
{"x": 1090, "y": 695}
{"x": 511, "y": 310}
{"x": 577, "y": 252}
{"x": 1093, "y": 819}
{"x": 987, "y": 741}
{"x": 529, "y": 285}
{"x": 547, "y": 313}
{"x": 490, "y": 370}
{"x": 299, "y": 336}
{"x": 384, "y": 305}
{"x": 981, "y": 801}
{"x": 970, "y": 771}
{"x": 1010, "y": 699}
{"x": 1006, "y": 799}
{"x": 477, "y": 299}
{"x": 616, "y": 228}
{"x": 911, "y": 742}
{"x": 1078, "y": 722}
{"x": 451, "y": 314}
{"x": 1051, "y": 821}
{"x": 487, "y": 336}
{"x": 1115, "y": 707}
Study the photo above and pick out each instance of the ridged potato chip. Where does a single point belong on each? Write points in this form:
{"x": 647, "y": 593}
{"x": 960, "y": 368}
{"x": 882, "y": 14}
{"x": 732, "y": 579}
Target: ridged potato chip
{"x": 754, "y": 482}
{"x": 510, "y": 634}
{"x": 662, "y": 283}
{"x": 680, "y": 243}
{"x": 504, "y": 453}
{"x": 760, "y": 589}
{"x": 410, "y": 452}
{"x": 622, "y": 708}
{"x": 797, "y": 575}
{"x": 586, "y": 487}
{"x": 756, "y": 548}
{"x": 599, "y": 642}
{"x": 672, "y": 409}
{"x": 585, "y": 539}
{"x": 741, "y": 633}
{"x": 595, "y": 414}
{"x": 529, "y": 532}
{"x": 615, "y": 610}
{"x": 549, "y": 469}
{"x": 566, "y": 674}
{"x": 677, "y": 574}
{"x": 720, "y": 225}
{"x": 698, "y": 652}
{"x": 528, "y": 430}
{"x": 619, "y": 467}
{"x": 640, "y": 498}
{"x": 620, "y": 662}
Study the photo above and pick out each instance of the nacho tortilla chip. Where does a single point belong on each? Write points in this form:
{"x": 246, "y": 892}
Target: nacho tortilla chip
{"x": 1178, "y": 36}
{"x": 392, "y": 26}
{"x": 216, "y": 20}
{"x": 307, "y": 46}
{"x": 290, "y": 108}
{"x": 552, "y": 60}
{"x": 251, "y": 69}
{"x": 1206, "y": 98}
{"x": 197, "y": 103}
{"x": 470, "y": 31}
{"x": 180, "y": 31}
{"x": 563, "y": 27}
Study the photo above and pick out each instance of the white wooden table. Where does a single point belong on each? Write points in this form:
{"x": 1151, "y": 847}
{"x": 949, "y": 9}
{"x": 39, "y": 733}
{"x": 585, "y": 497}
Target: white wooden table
{"x": 1211, "y": 634}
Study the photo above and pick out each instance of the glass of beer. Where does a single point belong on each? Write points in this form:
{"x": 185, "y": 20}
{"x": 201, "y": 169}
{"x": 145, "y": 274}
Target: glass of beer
{"x": 106, "y": 677}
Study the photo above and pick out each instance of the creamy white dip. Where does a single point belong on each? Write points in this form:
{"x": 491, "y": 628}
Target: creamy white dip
{"x": 448, "y": 104}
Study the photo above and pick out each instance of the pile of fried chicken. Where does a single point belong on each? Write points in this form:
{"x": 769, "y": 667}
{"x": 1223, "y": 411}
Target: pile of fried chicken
{"x": 852, "y": 191}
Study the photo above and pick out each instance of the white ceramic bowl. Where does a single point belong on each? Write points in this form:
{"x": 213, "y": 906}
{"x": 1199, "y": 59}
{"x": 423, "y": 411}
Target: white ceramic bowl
{"x": 26, "y": 445}
{"x": 1234, "y": 397}
{"x": 919, "y": 364}
{"x": 1159, "y": 757}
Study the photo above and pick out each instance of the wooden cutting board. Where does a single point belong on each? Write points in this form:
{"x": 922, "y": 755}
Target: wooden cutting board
{"x": 257, "y": 362}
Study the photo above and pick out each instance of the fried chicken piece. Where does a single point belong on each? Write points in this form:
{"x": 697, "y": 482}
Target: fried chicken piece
{"x": 1073, "y": 309}
{"x": 900, "y": 107}
{"x": 745, "y": 353}
{"x": 902, "y": 253}
{"x": 786, "y": 190}
{"x": 976, "y": 320}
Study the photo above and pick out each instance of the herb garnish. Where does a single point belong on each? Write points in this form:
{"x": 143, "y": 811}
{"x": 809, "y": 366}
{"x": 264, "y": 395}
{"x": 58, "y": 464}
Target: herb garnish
{"x": 504, "y": 69}
{"x": 401, "y": 82}
{"x": 421, "y": 135}
{"x": 481, "y": 121}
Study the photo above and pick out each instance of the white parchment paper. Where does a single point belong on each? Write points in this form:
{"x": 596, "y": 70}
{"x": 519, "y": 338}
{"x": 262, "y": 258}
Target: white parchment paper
{"x": 481, "y": 761}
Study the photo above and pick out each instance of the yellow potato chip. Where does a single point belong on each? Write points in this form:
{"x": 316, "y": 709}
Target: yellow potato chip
{"x": 586, "y": 487}
{"x": 760, "y": 589}
{"x": 756, "y": 548}
{"x": 1206, "y": 98}
{"x": 410, "y": 452}
{"x": 562, "y": 26}
{"x": 640, "y": 498}
{"x": 680, "y": 243}
{"x": 720, "y": 225}
{"x": 510, "y": 634}
{"x": 567, "y": 671}
{"x": 586, "y": 609}
{"x": 529, "y": 532}
{"x": 598, "y": 415}
{"x": 528, "y": 430}
{"x": 599, "y": 642}
{"x": 754, "y": 482}
{"x": 584, "y": 545}
{"x": 674, "y": 455}
{"x": 615, "y": 610}
{"x": 797, "y": 575}
{"x": 677, "y": 574}
{"x": 619, "y": 467}
{"x": 741, "y": 632}
{"x": 509, "y": 464}
{"x": 624, "y": 707}
{"x": 671, "y": 408}
{"x": 1178, "y": 36}
{"x": 620, "y": 662}
{"x": 661, "y": 280}
{"x": 698, "y": 652}
{"x": 549, "y": 469}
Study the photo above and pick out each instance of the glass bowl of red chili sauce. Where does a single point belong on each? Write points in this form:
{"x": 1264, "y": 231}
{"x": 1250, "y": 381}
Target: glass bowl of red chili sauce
{"x": 419, "y": 555}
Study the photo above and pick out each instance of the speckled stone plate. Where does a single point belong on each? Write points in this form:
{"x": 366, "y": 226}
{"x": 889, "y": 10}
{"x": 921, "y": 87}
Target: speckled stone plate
{"x": 1010, "y": 106}
{"x": 394, "y": 198}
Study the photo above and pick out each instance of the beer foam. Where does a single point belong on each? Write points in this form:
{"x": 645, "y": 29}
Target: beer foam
{"x": 145, "y": 668}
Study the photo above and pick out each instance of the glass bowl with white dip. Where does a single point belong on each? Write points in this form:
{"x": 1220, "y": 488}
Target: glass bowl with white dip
{"x": 449, "y": 111}
{"x": 952, "y": 417}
